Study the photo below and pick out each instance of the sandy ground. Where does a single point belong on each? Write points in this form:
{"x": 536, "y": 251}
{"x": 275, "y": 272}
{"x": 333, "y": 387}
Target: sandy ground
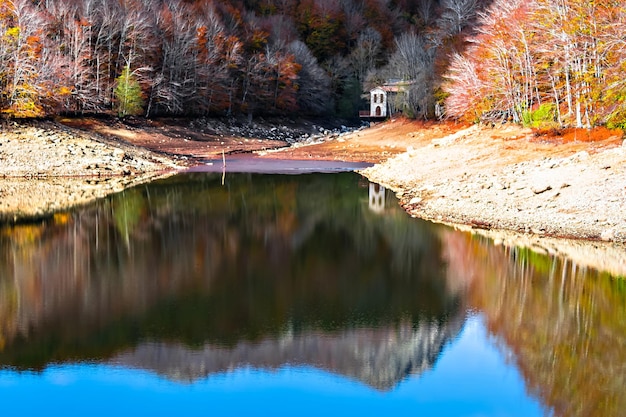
{"x": 486, "y": 179}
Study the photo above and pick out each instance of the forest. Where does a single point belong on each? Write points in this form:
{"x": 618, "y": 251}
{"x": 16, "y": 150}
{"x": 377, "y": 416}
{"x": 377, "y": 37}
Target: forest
{"x": 538, "y": 62}
{"x": 543, "y": 63}
{"x": 201, "y": 57}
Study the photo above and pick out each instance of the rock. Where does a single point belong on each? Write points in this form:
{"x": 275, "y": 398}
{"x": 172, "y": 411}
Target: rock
{"x": 608, "y": 235}
{"x": 415, "y": 200}
{"x": 538, "y": 189}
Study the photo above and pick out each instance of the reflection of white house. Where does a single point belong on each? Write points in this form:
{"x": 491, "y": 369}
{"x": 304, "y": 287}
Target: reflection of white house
{"x": 387, "y": 99}
{"x": 377, "y": 198}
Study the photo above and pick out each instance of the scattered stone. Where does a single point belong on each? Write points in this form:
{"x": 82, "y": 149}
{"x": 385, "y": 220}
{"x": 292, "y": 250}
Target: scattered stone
{"x": 608, "y": 235}
{"x": 539, "y": 189}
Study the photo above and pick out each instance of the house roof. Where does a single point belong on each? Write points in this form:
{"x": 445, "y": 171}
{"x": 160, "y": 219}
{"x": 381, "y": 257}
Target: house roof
{"x": 394, "y": 86}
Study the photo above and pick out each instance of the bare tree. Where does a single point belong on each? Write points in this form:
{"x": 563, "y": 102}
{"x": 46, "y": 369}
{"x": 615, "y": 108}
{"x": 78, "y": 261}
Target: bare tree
{"x": 174, "y": 83}
{"x": 413, "y": 62}
{"x": 364, "y": 55}
{"x": 426, "y": 11}
{"x": 218, "y": 61}
{"x": 456, "y": 14}
{"x": 71, "y": 49}
{"x": 313, "y": 82}
{"x": 464, "y": 89}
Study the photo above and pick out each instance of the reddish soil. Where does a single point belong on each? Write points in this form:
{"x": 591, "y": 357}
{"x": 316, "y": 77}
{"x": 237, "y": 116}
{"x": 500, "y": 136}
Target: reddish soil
{"x": 376, "y": 144}
{"x": 172, "y": 137}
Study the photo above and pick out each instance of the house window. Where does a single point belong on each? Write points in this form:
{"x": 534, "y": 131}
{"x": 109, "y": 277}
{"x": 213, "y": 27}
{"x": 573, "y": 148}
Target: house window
{"x": 382, "y": 98}
{"x": 375, "y": 97}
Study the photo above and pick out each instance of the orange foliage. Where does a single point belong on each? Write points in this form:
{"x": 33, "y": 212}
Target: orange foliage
{"x": 567, "y": 135}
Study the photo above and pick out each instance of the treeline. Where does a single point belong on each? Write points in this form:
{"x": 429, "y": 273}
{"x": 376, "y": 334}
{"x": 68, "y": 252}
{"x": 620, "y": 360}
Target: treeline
{"x": 199, "y": 57}
{"x": 544, "y": 63}
{"x": 539, "y": 62}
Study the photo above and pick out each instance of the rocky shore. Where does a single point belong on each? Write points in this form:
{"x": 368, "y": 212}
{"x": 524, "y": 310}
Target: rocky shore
{"x": 45, "y": 167}
{"x": 509, "y": 182}
{"x": 487, "y": 179}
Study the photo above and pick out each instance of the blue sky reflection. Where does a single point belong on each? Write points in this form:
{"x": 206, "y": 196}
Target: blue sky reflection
{"x": 471, "y": 378}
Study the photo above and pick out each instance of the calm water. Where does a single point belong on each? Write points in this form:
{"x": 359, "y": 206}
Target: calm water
{"x": 295, "y": 295}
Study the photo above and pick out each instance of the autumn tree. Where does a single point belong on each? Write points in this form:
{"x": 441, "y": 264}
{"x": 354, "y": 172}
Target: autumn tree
{"x": 71, "y": 33}
{"x": 217, "y": 61}
{"x": 562, "y": 55}
{"x": 467, "y": 98}
{"x": 193, "y": 57}
{"x": 22, "y": 45}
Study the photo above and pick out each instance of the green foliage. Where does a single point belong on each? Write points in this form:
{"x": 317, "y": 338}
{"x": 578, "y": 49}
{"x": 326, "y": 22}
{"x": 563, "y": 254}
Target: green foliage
{"x": 349, "y": 100}
{"x": 541, "y": 263}
{"x": 128, "y": 94}
{"x": 127, "y": 209}
{"x": 617, "y": 119}
{"x": 544, "y": 116}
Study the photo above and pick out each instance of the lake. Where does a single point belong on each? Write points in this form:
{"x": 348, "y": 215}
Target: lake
{"x": 266, "y": 294}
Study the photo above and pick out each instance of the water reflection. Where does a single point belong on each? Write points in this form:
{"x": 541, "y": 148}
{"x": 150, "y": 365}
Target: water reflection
{"x": 189, "y": 279}
{"x": 564, "y": 324}
{"x": 377, "y": 198}
{"x": 266, "y": 270}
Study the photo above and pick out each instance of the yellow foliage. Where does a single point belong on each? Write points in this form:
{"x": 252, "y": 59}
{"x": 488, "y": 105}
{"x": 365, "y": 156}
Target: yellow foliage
{"x": 23, "y": 234}
{"x": 61, "y": 218}
{"x": 25, "y": 109}
{"x": 12, "y": 32}
{"x": 64, "y": 91}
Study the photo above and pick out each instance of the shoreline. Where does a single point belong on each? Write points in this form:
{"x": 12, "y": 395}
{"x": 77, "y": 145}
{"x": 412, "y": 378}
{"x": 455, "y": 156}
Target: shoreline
{"x": 491, "y": 181}
{"x": 46, "y": 168}
{"x": 577, "y": 192}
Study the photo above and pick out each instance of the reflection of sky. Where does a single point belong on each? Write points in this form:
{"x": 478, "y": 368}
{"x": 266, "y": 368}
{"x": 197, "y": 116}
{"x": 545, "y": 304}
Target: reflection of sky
{"x": 471, "y": 378}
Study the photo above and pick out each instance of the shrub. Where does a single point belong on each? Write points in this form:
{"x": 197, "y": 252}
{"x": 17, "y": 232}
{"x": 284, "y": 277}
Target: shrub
{"x": 617, "y": 119}
{"x": 543, "y": 116}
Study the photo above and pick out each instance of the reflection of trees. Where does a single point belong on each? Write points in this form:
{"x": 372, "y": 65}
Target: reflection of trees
{"x": 380, "y": 357}
{"x": 188, "y": 261}
{"x": 565, "y": 324}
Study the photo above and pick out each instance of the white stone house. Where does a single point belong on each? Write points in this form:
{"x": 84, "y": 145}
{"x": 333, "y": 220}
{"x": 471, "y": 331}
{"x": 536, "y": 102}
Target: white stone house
{"x": 378, "y": 102}
{"x": 387, "y": 99}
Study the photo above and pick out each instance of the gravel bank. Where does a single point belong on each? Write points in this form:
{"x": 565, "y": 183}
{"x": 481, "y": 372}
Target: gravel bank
{"x": 45, "y": 167}
{"x": 500, "y": 183}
